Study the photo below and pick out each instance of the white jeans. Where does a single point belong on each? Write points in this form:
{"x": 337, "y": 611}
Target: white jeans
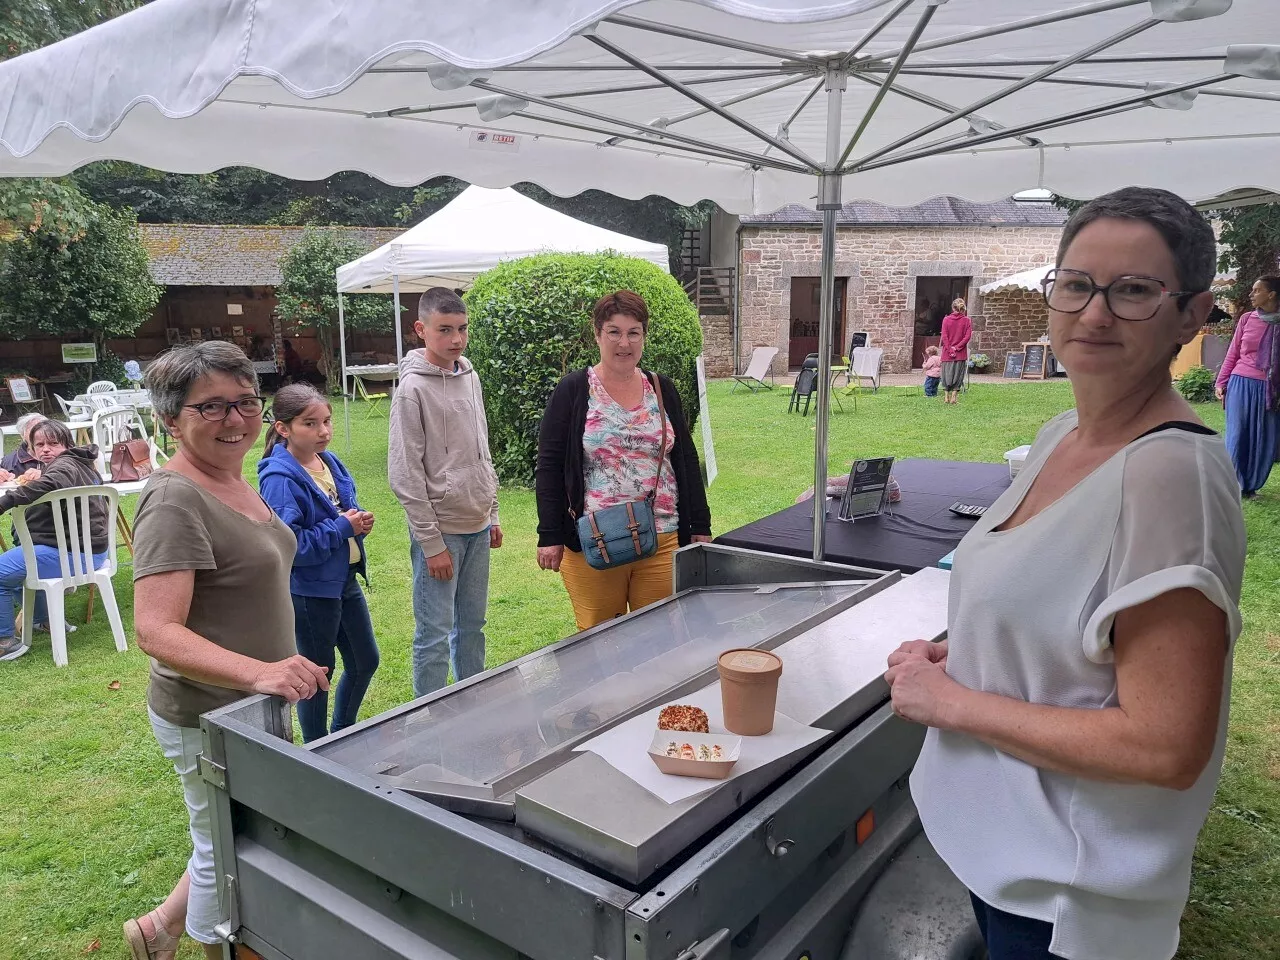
{"x": 183, "y": 745}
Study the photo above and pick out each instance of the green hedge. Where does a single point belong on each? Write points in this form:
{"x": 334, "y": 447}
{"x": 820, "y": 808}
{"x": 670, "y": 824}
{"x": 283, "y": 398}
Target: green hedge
{"x": 531, "y": 324}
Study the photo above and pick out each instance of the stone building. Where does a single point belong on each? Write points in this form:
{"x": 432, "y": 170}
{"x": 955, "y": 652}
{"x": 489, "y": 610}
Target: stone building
{"x": 897, "y": 269}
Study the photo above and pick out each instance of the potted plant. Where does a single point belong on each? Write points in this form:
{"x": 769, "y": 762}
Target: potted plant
{"x": 979, "y": 362}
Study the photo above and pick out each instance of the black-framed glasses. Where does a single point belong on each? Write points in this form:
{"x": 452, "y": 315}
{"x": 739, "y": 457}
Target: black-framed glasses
{"x": 218, "y": 410}
{"x": 1129, "y": 298}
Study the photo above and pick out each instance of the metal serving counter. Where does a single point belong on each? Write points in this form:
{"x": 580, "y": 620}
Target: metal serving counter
{"x": 464, "y": 825}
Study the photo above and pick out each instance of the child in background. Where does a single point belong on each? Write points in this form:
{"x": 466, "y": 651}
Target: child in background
{"x": 312, "y": 492}
{"x": 932, "y": 371}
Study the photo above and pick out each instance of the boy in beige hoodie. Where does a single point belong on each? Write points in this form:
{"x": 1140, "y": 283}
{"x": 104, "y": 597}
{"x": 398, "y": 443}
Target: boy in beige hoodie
{"x": 440, "y": 470}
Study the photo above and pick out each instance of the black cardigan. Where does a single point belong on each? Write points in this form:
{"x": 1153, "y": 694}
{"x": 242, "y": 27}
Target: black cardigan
{"x": 559, "y": 481}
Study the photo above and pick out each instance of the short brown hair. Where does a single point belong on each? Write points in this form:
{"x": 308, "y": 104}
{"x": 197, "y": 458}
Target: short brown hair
{"x": 622, "y": 302}
{"x": 440, "y": 300}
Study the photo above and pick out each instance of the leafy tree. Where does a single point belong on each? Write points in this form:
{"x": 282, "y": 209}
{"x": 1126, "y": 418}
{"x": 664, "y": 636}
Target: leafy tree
{"x": 95, "y": 286}
{"x": 531, "y": 324}
{"x": 1251, "y": 246}
{"x": 308, "y": 295}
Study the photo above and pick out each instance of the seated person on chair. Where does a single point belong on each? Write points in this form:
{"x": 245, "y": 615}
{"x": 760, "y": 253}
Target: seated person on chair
{"x": 22, "y": 462}
{"x": 64, "y": 466}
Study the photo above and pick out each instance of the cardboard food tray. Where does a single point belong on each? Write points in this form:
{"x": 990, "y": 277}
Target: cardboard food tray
{"x": 731, "y": 747}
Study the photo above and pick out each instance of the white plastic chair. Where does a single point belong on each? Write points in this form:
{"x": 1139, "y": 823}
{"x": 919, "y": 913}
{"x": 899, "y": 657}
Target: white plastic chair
{"x": 761, "y": 365}
{"x": 102, "y": 386}
{"x": 73, "y": 409}
{"x": 75, "y": 560}
{"x": 113, "y": 425}
{"x": 866, "y": 365}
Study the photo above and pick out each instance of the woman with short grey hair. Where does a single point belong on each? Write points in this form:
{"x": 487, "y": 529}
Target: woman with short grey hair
{"x": 211, "y": 605}
{"x": 1078, "y": 709}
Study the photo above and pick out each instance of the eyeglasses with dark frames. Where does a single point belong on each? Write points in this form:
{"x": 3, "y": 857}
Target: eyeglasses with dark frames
{"x": 219, "y": 410}
{"x": 1133, "y": 298}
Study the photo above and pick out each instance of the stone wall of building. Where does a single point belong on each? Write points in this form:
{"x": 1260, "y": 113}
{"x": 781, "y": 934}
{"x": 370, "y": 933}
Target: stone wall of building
{"x": 1010, "y": 319}
{"x": 882, "y": 265}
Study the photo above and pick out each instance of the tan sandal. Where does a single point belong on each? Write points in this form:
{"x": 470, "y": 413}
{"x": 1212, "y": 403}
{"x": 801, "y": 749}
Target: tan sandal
{"x": 142, "y": 947}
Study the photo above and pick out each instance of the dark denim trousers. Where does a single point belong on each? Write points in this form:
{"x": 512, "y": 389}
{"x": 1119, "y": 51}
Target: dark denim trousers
{"x": 320, "y": 626}
{"x": 1011, "y": 937}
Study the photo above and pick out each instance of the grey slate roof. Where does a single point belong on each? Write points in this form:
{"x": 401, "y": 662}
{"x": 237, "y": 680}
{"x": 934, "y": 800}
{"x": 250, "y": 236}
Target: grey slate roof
{"x": 938, "y": 212}
{"x": 184, "y": 254}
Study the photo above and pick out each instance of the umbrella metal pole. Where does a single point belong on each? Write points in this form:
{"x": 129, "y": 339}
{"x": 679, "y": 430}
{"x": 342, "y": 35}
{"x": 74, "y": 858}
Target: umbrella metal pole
{"x": 829, "y": 204}
{"x": 342, "y": 349}
{"x": 395, "y": 295}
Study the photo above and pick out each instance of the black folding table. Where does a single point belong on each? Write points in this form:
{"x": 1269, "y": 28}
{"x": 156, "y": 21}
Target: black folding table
{"x": 914, "y": 533}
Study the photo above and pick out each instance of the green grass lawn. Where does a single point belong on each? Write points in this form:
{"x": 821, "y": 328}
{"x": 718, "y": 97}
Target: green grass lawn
{"x": 92, "y": 826}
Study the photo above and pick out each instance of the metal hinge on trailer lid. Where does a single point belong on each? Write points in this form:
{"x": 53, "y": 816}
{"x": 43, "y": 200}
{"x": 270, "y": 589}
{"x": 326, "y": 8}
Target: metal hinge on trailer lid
{"x": 715, "y": 947}
{"x": 214, "y": 773}
{"x": 229, "y": 929}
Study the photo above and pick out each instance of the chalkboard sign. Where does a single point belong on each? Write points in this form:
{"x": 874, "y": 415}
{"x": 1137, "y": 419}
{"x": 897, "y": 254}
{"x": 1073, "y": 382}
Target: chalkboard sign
{"x": 860, "y": 338}
{"x": 1013, "y": 365}
{"x": 1033, "y": 364}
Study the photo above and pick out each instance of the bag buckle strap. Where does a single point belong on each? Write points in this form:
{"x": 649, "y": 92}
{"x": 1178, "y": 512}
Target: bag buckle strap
{"x": 634, "y": 527}
{"x": 598, "y": 537}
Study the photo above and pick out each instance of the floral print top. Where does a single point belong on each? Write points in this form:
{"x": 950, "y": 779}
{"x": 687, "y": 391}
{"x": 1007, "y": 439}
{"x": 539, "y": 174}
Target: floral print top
{"x": 619, "y": 453}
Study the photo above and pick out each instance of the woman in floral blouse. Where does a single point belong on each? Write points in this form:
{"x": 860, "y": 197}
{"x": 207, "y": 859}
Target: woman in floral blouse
{"x": 598, "y": 447}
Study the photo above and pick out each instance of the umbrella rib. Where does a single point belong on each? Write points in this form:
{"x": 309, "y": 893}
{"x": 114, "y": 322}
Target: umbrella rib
{"x": 570, "y": 94}
{"x": 1015, "y": 26}
{"x": 1085, "y": 82}
{"x": 916, "y": 32}
{"x": 1075, "y": 116}
{"x": 986, "y": 64}
{"x": 661, "y": 133}
{"x": 928, "y": 101}
{"x": 616, "y": 138}
{"x": 875, "y": 31}
{"x": 591, "y": 68}
{"x": 749, "y": 95}
{"x": 791, "y": 151}
{"x": 1007, "y": 91}
{"x": 671, "y": 31}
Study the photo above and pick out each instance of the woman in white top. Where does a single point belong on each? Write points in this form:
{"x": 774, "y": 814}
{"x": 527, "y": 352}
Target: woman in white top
{"x": 1078, "y": 709}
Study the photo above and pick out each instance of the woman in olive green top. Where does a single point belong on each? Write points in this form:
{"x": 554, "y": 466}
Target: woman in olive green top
{"x": 211, "y": 601}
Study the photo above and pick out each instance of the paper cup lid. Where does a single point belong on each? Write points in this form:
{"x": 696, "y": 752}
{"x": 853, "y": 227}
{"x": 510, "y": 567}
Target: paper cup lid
{"x": 751, "y": 664}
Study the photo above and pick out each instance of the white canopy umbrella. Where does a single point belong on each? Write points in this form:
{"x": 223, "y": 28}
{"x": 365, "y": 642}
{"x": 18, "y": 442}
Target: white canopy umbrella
{"x": 750, "y": 103}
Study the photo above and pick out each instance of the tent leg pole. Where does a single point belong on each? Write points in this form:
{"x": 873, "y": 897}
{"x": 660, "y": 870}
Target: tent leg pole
{"x": 342, "y": 368}
{"x": 395, "y": 295}
{"x": 829, "y": 204}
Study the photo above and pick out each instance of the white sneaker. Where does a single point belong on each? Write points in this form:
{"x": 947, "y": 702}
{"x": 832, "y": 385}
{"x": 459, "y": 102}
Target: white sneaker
{"x": 11, "y": 648}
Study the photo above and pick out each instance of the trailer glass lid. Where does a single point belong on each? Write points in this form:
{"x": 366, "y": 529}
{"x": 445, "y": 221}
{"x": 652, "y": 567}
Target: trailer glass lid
{"x": 477, "y": 736}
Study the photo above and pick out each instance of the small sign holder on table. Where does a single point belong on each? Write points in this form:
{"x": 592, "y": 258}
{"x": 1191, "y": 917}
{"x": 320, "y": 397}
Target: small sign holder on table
{"x": 867, "y": 493}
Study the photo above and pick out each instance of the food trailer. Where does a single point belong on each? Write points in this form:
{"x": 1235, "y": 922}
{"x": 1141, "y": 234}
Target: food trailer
{"x": 471, "y": 824}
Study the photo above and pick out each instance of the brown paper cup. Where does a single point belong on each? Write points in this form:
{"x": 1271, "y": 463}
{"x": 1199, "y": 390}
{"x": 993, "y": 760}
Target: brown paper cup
{"x": 749, "y": 690}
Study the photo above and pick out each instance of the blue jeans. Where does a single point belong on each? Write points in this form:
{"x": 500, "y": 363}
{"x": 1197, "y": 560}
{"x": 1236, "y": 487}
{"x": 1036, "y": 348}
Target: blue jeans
{"x": 1011, "y": 937}
{"x": 931, "y": 386}
{"x": 449, "y": 614}
{"x": 320, "y": 624}
{"x": 13, "y": 574}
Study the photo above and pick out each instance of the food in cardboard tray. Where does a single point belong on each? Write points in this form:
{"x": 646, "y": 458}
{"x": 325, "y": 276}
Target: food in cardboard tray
{"x": 684, "y": 718}
{"x": 685, "y": 751}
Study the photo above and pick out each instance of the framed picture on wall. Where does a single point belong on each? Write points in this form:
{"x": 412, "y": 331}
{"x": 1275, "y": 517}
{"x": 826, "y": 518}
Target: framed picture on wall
{"x": 195, "y": 334}
{"x": 237, "y": 332}
{"x": 172, "y": 336}
{"x": 215, "y": 333}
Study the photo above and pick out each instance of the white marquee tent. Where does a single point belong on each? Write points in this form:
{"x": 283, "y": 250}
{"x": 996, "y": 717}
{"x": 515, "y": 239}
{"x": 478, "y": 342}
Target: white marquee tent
{"x": 750, "y": 103}
{"x": 473, "y": 233}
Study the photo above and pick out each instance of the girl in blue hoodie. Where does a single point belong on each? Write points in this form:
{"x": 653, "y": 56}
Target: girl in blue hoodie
{"x": 311, "y": 491}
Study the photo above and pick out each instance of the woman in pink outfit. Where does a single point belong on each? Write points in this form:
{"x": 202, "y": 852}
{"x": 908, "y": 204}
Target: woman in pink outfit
{"x": 1249, "y": 382}
{"x": 957, "y": 330}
